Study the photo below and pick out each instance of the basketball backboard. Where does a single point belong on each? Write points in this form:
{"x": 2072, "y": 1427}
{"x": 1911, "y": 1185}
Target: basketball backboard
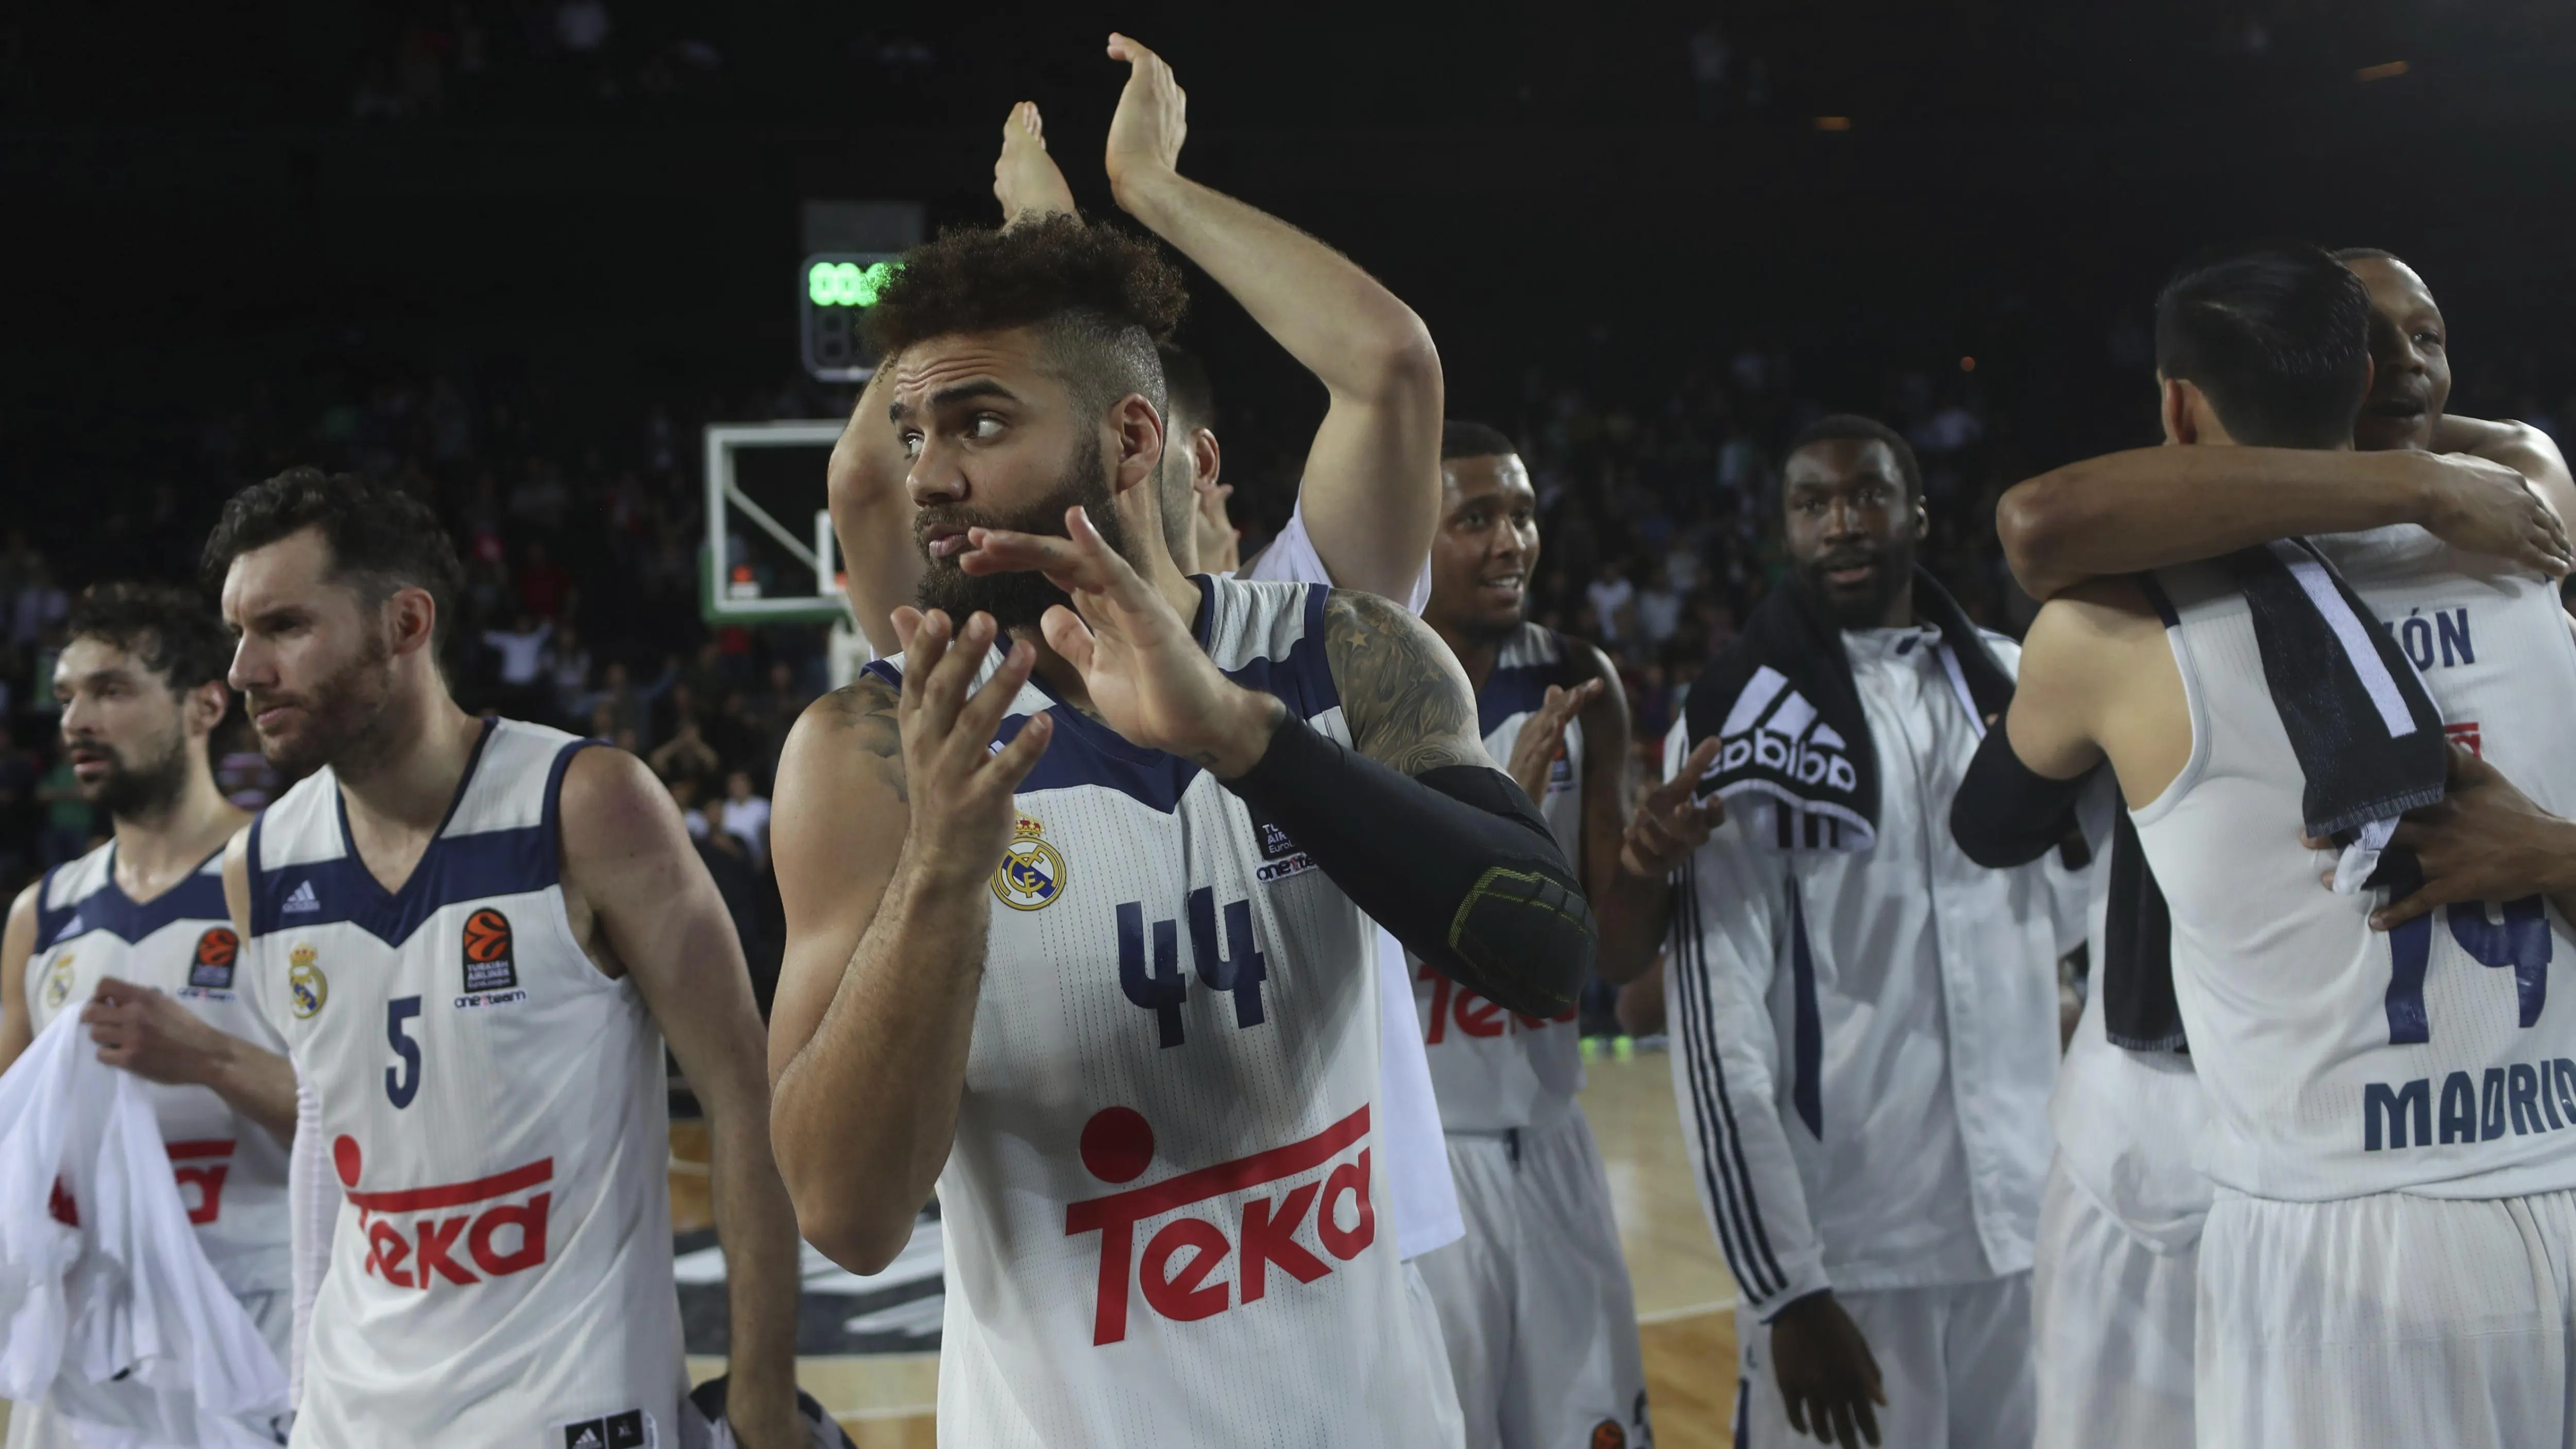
{"x": 769, "y": 557}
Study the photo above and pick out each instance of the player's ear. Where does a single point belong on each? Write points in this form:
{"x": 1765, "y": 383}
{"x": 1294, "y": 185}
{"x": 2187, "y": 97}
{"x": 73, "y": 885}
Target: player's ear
{"x": 2175, "y": 408}
{"x": 205, "y": 707}
{"x": 411, "y": 618}
{"x": 1206, "y": 459}
{"x": 1137, "y": 431}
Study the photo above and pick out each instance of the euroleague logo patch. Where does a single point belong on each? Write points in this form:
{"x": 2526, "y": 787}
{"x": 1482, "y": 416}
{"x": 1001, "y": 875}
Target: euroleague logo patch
{"x": 491, "y": 961}
{"x": 211, "y": 969}
{"x": 1609, "y": 1435}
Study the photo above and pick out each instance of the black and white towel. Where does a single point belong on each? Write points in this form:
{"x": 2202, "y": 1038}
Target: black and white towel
{"x": 1782, "y": 701}
{"x": 2369, "y": 743}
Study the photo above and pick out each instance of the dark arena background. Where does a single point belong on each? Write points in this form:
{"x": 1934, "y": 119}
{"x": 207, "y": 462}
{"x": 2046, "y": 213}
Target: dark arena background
{"x": 518, "y": 255}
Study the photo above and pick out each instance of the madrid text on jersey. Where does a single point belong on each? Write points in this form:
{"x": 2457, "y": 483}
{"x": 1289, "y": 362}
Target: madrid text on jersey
{"x": 2522, "y": 1097}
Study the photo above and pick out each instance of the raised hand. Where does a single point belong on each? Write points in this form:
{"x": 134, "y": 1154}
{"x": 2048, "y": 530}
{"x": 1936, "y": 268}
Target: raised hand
{"x": 2485, "y": 507}
{"x": 1153, "y": 116}
{"x": 1220, "y": 542}
{"x": 1542, "y": 736}
{"x": 958, "y": 789}
{"x": 1026, "y": 179}
{"x": 1669, "y": 824}
{"x": 1146, "y": 675}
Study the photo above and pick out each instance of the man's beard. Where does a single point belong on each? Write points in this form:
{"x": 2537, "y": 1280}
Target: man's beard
{"x": 1895, "y": 574}
{"x": 1017, "y": 600}
{"x": 146, "y": 787}
{"x": 340, "y": 712}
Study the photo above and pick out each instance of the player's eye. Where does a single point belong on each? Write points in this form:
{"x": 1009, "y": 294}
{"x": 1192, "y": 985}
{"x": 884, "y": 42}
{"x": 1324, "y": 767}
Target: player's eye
{"x": 2428, "y": 339}
{"x": 984, "y": 427}
{"x": 911, "y": 440}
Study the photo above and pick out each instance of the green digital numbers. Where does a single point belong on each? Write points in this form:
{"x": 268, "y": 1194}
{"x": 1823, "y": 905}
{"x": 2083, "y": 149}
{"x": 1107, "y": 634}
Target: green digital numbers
{"x": 847, "y": 284}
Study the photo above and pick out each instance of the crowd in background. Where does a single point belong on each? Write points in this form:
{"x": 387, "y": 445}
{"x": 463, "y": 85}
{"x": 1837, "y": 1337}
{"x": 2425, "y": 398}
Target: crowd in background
{"x": 581, "y": 540}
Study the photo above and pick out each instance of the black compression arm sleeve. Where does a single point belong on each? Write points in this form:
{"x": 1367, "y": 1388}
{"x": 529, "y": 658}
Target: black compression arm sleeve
{"x": 2007, "y": 813}
{"x": 1455, "y": 862}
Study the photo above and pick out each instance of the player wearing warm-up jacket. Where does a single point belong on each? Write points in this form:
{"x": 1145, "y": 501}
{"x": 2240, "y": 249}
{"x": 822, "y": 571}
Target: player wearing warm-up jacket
{"x": 1865, "y": 1022}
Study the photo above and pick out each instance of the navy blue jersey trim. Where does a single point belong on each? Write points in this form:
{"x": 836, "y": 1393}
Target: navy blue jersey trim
{"x": 553, "y": 820}
{"x": 455, "y": 868}
{"x": 260, "y": 922}
{"x": 197, "y": 897}
{"x": 49, "y": 921}
{"x": 1087, "y": 753}
{"x": 1807, "y": 1037}
{"x": 2163, "y": 602}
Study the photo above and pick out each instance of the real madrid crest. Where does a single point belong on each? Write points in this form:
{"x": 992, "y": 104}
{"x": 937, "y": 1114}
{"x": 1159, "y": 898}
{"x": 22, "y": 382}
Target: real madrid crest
{"x": 58, "y": 982}
{"x": 1031, "y": 874}
{"x": 307, "y": 988}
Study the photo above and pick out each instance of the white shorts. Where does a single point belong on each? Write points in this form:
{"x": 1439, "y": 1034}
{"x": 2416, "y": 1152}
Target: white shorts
{"x": 1954, "y": 1360}
{"x": 2386, "y": 1320}
{"x": 1450, "y": 1424}
{"x": 37, "y": 1426}
{"x": 2110, "y": 1328}
{"x": 1534, "y": 1302}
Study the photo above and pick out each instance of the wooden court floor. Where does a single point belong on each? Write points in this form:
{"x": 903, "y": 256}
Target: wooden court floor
{"x": 1685, "y": 1299}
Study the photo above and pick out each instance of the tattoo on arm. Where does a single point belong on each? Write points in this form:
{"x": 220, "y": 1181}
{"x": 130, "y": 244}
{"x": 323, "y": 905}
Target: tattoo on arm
{"x": 1403, "y": 694}
{"x": 866, "y": 709}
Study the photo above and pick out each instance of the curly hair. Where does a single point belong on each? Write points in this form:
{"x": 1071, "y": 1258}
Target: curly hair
{"x": 170, "y": 632}
{"x": 1101, "y": 297}
{"x": 381, "y": 537}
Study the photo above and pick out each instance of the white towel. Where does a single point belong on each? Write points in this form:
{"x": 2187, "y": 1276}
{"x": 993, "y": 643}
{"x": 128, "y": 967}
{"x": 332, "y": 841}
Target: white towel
{"x": 116, "y": 1319}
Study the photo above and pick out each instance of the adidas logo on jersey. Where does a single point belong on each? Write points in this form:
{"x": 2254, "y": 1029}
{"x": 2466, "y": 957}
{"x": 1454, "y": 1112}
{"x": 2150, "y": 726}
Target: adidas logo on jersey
{"x": 1773, "y": 727}
{"x": 617, "y": 1431}
{"x": 301, "y": 900}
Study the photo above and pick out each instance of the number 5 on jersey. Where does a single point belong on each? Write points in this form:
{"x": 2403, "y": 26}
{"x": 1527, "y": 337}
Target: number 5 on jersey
{"x": 402, "y": 1083}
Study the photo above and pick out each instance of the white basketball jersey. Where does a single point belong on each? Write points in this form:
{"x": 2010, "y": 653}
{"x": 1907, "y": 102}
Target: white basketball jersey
{"x": 2339, "y": 1060}
{"x": 1495, "y": 1070}
{"x": 1163, "y": 1220}
{"x": 501, "y": 1268}
{"x": 231, "y": 1171}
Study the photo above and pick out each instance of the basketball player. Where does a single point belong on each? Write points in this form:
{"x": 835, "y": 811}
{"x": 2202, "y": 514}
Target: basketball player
{"x": 2361, "y": 1281}
{"x": 1535, "y": 1306}
{"x": 1865, "y": 1022}
{"x": 475, "y": 936}
{"x": 1155, "y": 1168}
{"x": 2120, "y": 1222}
{"x": 1366, "y": 504}
{"x": 134, "y": 936}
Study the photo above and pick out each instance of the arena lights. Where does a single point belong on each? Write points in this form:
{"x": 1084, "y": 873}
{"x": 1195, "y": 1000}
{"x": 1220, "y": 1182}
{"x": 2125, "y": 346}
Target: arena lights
{"x": 1833, "y": 123}
{"x": 2388, "y": 71}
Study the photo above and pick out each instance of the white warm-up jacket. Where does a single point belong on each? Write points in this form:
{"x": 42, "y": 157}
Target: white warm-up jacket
{"x": 1864, "y": 1041}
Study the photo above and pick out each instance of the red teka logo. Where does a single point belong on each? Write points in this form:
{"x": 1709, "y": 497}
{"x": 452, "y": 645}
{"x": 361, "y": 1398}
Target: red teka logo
{"x": 202, "y": 1166}
{"x": 2465, "y": 735}
{"x": 431, "y": 1249}
{"x": 1118, "y": 1145}
{"x": 1473, "y": 1014}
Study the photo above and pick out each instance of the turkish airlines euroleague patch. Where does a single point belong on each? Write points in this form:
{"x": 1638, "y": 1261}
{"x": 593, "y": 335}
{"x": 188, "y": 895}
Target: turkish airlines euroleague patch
{"x": 490, "y": 963}
{"x": 212, "y": 968}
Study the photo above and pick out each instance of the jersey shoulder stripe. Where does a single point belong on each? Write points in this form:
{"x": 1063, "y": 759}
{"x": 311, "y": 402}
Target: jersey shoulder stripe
{"x": 495, "y": 842}
{"x": 1527, "y": 664}
{"x": 1263, "y": 636}
{"x": 82, "y": 896}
